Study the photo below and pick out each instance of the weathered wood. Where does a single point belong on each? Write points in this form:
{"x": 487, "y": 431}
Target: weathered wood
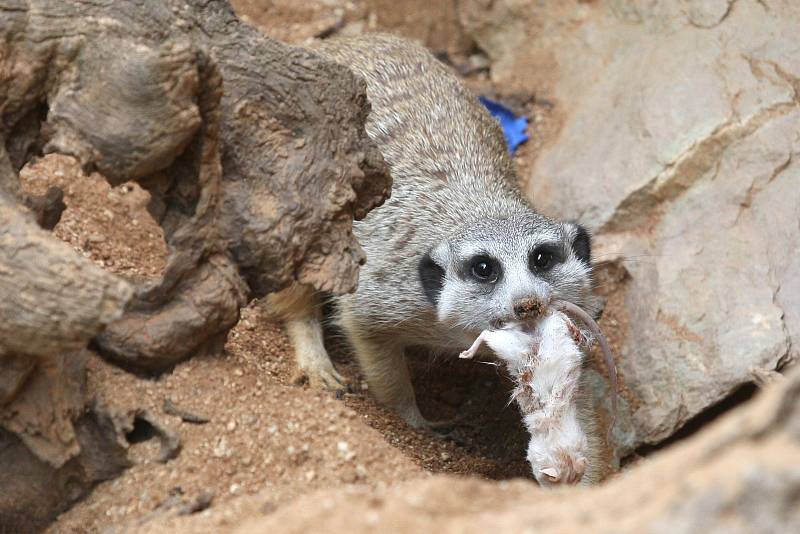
{"x": 256, "y": 159}
{"x": 53, "y": 300}
{"x": 14, "y": 372}
{"x": 42, "y": 414}
{"x": 254, "y": 152}
{"x": 34, "y": 492}
{"x": 298, "y": 165}
{"x": 210, "y": 296}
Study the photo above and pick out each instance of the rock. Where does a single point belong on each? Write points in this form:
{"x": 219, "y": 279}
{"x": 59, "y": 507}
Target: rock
{"x": 34, "y": 491}
{"x": 435, "y": 24}
{"x": 185, "y": 416}
{"x": 170, "y": 444}
{"x": 707, "y": 13}
{"x": 738, "y": 475}
{"x": 677, "y": 148}
{"x": 200, "y": 503}
{"x": 14, "y": 371}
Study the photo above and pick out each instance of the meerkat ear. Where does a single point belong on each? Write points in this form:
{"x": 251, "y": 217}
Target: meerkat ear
{"x": 431, "y": 275}
{"x": 582, "y": 244}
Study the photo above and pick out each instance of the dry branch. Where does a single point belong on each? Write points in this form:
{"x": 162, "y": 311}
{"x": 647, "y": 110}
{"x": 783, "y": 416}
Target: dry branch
{"x": 53, "y": 299}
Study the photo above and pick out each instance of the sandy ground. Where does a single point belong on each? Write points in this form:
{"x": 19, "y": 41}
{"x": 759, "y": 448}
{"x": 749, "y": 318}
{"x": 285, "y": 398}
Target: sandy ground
{"x": 263, "y": 433}
{"x": 265, "y": 436}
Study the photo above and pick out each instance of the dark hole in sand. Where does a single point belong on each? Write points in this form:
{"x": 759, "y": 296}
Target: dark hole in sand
{"x": 142, "y": 431}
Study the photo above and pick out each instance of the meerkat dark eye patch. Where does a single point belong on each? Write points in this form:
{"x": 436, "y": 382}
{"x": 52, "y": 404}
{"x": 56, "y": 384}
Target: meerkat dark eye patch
{"x": 582, "y": 245}
{"x": 545, "y": 257}
{"x": 431, "y": 275}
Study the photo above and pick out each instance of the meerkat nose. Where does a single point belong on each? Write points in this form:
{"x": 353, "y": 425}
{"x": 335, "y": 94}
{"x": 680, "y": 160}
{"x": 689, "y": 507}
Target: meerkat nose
{"x": 529, "y": 308}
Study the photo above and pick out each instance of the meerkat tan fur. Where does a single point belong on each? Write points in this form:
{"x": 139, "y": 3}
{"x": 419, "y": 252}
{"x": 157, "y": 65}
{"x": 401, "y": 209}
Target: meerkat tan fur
{"x": 455, "y": 251}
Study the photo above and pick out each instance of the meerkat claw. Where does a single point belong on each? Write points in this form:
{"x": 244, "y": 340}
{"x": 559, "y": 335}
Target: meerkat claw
{"x": 417, "y": 420}
{"x": 445, "y": 424}
{"x": 320, "y": 378}
{"x": 328, "y": 379}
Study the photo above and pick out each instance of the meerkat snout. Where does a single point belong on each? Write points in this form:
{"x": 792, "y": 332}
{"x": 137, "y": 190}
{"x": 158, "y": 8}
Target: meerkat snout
{"x": 529, "y": 308}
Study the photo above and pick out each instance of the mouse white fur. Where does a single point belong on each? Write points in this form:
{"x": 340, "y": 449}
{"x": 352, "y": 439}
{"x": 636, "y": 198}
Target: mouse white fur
{"x": 545, "y": 359}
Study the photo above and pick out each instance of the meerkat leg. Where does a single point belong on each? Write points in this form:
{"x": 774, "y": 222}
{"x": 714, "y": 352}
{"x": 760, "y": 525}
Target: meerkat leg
{"x": 312, "y": 359}
{"x": 300, "y": 308}
{"x": 386, "y": 371}
{"x": 383, "y": 363}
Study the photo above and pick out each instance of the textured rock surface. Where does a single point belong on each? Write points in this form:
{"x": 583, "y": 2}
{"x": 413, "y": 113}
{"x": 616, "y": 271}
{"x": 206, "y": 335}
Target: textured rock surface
{"x": 225, "y": 142}
{"x": 678, "y": 148}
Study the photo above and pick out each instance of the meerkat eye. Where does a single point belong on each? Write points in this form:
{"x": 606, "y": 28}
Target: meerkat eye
{"x": 484, "y": 269}
{"x": 544, "y": 257}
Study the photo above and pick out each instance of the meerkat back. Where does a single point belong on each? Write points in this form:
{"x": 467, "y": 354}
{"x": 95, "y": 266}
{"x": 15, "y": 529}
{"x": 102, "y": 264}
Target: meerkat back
{"x": 429, "y": 126}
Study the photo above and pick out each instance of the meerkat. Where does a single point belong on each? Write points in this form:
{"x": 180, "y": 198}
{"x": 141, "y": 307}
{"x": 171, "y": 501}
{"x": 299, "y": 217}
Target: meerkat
{"x": 456, "y": 249}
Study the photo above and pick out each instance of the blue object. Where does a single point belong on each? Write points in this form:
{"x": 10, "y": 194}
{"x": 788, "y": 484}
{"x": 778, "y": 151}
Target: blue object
{"x": 513, "y": 126}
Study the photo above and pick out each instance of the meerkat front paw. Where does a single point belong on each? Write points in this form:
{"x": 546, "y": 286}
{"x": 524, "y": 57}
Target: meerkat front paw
{"x": 412, "y": 416}
{"x": 321, "y": 375}
{"x": 313, "y": 362}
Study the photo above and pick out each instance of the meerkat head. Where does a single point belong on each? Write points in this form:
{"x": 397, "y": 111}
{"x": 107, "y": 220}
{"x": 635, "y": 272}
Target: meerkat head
{"x": 499, "y": 270}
